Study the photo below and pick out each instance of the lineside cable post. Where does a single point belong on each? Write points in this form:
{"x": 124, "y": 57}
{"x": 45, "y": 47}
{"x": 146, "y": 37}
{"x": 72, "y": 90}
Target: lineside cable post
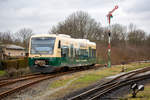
{"x": 109, "y": 16}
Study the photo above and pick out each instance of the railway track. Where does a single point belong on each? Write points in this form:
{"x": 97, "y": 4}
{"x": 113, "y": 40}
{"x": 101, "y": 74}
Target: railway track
{"x": 9, "y": 86}
{"x": 23, "y": 76}
{"x": 11, "y": 81}
{"x": 100, "y": 90}
{"x": 27, "y": 83}
{"x": 99, "y": 95}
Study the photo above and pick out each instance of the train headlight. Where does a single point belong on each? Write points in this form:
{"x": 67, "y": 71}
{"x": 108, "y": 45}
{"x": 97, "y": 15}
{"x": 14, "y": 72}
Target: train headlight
{"x": 36, "y": 62}
{"x": 40, "y": 62}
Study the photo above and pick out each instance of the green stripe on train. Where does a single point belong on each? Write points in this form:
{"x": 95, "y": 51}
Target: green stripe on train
{"x": 63, "y": 61}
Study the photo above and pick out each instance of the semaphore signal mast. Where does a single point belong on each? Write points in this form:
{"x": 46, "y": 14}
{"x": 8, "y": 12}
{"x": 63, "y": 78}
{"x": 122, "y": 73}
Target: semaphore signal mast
{"x": 109, "y": 16}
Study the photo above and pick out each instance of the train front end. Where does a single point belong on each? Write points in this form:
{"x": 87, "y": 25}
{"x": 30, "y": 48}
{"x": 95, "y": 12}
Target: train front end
{"x": 44, "y": 57}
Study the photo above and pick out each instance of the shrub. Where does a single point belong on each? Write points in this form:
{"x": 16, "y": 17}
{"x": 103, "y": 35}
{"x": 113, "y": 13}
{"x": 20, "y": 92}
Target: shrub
{"x": 8, "y": 64}
{"x": 22, "y": 63}
{"x": 17, "y": 64}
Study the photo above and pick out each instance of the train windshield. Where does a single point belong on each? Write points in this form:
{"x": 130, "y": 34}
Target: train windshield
{"x": 42, "y": 45}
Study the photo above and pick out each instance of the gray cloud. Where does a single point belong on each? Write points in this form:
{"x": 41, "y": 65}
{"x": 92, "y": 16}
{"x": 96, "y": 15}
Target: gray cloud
{"x": 139, "y": 6}
{"x": 41, "y": 15}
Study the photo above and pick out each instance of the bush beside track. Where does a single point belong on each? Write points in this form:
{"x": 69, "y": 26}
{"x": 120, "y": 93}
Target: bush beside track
{"x": 17, "y": 64}
{"x": 14, "y": 68}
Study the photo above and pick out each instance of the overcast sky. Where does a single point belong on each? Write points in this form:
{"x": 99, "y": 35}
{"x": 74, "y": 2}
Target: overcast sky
{"x": 41, "y": 15}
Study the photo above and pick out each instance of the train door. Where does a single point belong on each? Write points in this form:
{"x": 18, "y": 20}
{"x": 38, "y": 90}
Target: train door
{"x": 90, "y": 52}
{"x": 71, "y": 54}
{"x": 64, "y": 51}
{"x": 71, "y": 50}
{"x": 64, "y": 54}
{"x": 90, "y": 55}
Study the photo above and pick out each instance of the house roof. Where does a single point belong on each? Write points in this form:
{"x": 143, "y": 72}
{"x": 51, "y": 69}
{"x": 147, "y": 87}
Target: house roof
{"x": 12, "y": 46}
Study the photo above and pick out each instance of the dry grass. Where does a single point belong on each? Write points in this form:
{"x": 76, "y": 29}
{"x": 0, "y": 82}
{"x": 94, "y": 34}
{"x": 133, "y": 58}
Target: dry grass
{"x": 122, "y": 54}
{"x": 84, "y": 79}
{"x": 2, "y": 73}
{"x": 61, "y": 82}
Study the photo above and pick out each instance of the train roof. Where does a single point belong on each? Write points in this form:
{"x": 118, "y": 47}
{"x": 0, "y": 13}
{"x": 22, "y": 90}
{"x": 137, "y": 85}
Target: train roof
{"x": 44, "y": 35}
{"x": 53, "y": 35}
{"x": 64, "y": 36}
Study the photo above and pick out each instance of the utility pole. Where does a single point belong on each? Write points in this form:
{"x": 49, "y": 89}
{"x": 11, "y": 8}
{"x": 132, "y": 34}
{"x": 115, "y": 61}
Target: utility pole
{"x": 109, "y": 16}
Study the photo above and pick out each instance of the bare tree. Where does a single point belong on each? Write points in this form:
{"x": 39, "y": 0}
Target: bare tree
{"x": 118, "y": 34}
{"x": 137, "y": 37}
{"x": 132, "y": 27}
{"x": 6, "y": 37}
{"x": 79, "y": 25}
{"x": 23, "y": 36}
{"x": 148, "y": 40}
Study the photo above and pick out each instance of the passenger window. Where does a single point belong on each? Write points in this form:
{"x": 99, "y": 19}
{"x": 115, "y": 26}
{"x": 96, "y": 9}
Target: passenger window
{"x": 64, "y": 51}
{"x": 59, "y": 44}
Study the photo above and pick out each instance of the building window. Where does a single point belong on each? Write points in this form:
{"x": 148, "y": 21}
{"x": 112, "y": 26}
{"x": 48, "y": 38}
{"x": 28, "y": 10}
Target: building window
{"x": 21, "y": 54}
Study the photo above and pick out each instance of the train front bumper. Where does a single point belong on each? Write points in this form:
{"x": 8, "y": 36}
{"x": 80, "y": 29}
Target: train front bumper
{"x": 43, "y": 69}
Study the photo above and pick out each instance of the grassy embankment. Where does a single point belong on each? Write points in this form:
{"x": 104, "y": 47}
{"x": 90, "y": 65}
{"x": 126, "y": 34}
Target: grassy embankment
{"x": 86, "y": 78}
{"x": 2, "y": 73}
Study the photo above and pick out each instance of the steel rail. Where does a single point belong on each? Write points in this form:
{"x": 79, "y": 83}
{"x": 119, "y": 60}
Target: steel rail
{"x": 110, "y": 83}
{"x": 19, "y": 79}
{"x": 41, "y": 78}
{"x": 23, "y": 76}
{"x": 119, "y": 85}
{"x": 15, "y": 89}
